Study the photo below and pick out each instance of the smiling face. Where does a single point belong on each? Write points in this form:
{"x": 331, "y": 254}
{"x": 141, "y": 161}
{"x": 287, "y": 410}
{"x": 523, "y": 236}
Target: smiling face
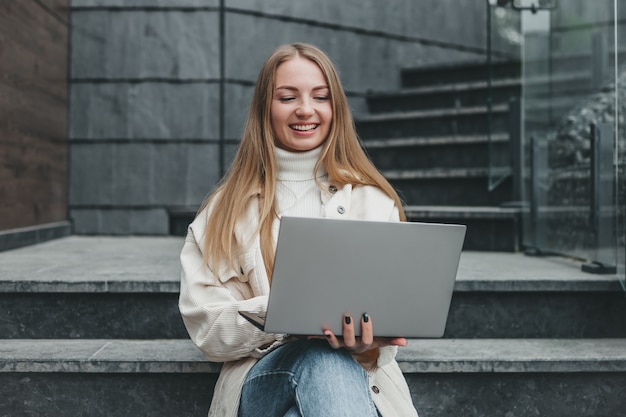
{"x": 301, "y": 111}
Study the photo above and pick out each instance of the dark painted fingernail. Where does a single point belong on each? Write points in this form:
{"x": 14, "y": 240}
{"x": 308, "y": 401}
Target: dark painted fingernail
{"x": 366, "y": 318}
{"x": 347, "y": 319}
{"x": 327, "y": 335}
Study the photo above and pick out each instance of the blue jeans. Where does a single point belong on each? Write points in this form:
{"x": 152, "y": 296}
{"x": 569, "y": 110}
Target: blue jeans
{"x": 307, "y": 378}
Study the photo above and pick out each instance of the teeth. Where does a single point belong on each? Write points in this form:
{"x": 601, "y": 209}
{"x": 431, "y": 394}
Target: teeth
{"x": 304, "y": 127}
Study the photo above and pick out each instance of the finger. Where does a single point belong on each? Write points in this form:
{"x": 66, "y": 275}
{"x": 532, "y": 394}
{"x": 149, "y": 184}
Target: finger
{"x": 349, "y": 340}
{"x": 390, "y": 341}
{"x": 399, "y": 341}
{"x": 367, "y": 330}
{"x": 332, "y": 339}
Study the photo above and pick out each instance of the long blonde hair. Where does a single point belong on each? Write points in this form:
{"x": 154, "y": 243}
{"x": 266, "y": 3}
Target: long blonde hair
{"x": 253, "y": 171}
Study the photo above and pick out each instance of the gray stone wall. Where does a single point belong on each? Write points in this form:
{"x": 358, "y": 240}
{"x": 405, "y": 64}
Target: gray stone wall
{"x": 155, "y": 115}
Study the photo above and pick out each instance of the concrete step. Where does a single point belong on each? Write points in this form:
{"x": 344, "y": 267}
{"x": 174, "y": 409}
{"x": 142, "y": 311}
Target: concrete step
{"x": 533, "y": 297}
{"x": 563, "y": 64}
{"x": 551, "y": 110}
{"x": 571, "y": 82}
{"x": 439, "y": 122}
{"x": 570, "y": 87}
{"x": 463, "y": 151}
{"x": 501, "y": 225}
{"x": 458, "y": 72}
{"x": 493, "y": 229}
{"x": 454, "y": 95}
{"x": 447, "y": 377}
{"x": 519, "y": 378}
{"x": 127, "y": 287}
{"x": 24, "y": 236}
{"x": 92, "y": 287}
{"x": 450, "y": 186}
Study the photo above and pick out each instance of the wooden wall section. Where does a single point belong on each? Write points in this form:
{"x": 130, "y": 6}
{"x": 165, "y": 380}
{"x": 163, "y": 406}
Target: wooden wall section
{"x": 33, "y": 112}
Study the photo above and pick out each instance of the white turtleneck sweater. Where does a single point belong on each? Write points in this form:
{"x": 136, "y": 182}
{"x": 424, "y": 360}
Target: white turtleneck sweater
{"x": 297, "y": 194}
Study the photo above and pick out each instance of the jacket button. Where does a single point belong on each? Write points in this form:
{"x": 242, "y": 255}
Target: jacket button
{"x": 332, "y": 189}
{"x": 341, "y": 210}
{"x": 375, "y": 389}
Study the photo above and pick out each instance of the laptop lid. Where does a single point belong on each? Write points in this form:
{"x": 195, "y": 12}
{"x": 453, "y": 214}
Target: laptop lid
{"x": 401, "y": 274}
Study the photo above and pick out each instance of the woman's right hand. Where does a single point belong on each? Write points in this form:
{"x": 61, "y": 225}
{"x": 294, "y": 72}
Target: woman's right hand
{"x": 365, "y": 342}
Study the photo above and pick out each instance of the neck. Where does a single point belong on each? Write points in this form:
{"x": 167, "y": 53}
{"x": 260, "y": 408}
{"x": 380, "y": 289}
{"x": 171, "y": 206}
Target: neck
{"x": 298, "y": 166}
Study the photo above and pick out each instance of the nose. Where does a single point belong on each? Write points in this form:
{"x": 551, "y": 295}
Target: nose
{"x": 304, "y": 108}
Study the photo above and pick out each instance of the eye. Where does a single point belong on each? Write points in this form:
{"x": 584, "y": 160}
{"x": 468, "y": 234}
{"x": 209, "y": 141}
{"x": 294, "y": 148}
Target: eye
{"x": 321, "y": 98}
{"x": 285, "y": 99}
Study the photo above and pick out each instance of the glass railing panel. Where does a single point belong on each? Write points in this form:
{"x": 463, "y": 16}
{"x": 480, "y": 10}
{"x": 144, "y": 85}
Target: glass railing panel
{"x": 568, "y": 95}
{"x": 535, "y": 28}
{"x": 620, "y": 133}
{"x": 503, "y": 78}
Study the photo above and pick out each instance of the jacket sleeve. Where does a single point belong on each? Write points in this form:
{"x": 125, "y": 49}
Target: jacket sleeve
{"x": 210, "y": 309}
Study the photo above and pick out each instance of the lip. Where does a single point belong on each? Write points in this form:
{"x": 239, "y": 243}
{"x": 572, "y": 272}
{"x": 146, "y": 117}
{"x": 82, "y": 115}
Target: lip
{"x": 304, "y": 125}
{"x": 313, "y": 127}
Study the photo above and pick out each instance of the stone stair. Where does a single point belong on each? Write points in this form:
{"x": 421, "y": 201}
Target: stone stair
{"x": 90, "y": 326}
{"x": 456, "y": 377}
{"x": 431, "y": 140}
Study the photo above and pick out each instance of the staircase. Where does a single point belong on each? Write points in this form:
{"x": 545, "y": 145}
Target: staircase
{"x": 431, "y": 140}
{"x": 90, "y": 326}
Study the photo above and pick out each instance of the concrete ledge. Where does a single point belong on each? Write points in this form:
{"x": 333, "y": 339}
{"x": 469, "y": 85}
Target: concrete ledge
{"x": 434, "y": 140}
{"x": 420, "y": 356}
{"x": 452, "y": 87}
{"x": 513, "y": 355}
{"x": 516, "y": 272}
{"x": 94, "y": 264}
{"x": 151, "y": 264}
{"x": 17, "y": 238}
{"x": 462, "y": 212}
{"x": 428, "y": 114}
{"x": 103, "y": 356}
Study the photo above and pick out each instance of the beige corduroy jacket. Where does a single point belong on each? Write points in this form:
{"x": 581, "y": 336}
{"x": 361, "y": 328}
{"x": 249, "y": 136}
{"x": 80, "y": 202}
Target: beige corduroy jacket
{"x": 210, "y": 301}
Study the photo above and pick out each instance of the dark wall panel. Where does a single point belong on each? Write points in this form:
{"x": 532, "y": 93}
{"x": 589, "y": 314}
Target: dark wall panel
{"x": 33, "y": 112}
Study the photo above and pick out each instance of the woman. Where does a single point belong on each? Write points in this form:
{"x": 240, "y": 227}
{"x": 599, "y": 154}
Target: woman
{"x": 299, "y": 156}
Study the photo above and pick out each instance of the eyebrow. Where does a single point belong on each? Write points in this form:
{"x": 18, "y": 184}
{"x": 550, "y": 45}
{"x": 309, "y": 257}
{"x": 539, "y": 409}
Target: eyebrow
{"x": 290, "y": 88}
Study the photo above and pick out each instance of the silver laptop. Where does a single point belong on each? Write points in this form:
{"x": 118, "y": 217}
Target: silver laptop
{"x": 401, "y": 274}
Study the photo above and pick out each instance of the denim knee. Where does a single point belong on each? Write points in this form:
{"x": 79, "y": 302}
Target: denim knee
{"x": 318, "y": 358}
{"x": 310, "y": 375}
{"x": 310, "y": 355}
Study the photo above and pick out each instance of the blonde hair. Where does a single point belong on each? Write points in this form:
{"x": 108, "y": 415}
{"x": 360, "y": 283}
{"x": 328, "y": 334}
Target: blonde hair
{"x": 254, "y": 169}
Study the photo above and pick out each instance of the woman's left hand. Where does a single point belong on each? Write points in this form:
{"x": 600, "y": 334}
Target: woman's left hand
{"x": 365, "y": 342}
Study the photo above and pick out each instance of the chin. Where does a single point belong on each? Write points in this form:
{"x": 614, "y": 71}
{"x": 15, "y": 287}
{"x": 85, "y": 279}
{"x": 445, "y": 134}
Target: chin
{"x": 301, "y": 147}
